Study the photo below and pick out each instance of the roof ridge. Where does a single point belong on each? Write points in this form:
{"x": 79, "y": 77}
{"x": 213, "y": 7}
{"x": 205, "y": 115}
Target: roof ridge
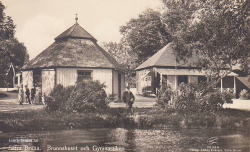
{"x": 74, "y": 26}
{"x": 75, "y": 31}
{"x": 88, "y": 33}
{"x": 105, "y": 53}
{"x": 244, "y": 81}
{"x": 151, "y": 61}
{"x": 41, "y": 53}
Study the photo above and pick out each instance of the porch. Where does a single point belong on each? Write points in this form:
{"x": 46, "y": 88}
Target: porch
{"x": 227, "y": 83}
{"x": 162, "y": 77}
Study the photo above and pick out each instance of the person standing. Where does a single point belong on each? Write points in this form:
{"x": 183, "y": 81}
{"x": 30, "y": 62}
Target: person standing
{"x": 37, "y": 96}
{"x": 33, "y": 92}
{"x": 128, "y": 98}
{"x": 20, "y": 95}
{"x": 27, "y": 92}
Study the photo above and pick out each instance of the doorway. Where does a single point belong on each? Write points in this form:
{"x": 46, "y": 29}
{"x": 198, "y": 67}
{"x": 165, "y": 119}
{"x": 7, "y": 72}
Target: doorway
{"x": 119, "y": 85}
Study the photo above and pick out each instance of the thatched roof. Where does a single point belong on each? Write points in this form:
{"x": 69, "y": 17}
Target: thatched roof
{"x": 74, "y": 48}
{"x": 164, "y": 58}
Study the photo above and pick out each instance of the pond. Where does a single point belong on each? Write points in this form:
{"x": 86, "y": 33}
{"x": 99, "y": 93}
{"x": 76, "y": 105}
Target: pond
{"x": 127, "y": 140}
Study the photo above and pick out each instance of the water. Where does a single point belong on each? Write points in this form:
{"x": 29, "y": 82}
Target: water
{"x": 127, "y": 140}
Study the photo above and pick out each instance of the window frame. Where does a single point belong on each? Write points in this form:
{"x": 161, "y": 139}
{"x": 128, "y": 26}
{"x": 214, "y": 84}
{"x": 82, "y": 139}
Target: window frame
{"x": 84, "y": 75}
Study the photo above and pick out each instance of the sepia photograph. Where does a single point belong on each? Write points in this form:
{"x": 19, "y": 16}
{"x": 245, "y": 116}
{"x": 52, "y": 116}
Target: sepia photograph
{"x": 125, "y": 75}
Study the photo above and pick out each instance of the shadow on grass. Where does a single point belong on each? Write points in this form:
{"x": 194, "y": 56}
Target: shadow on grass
{"x": 2, "y": 95}
{"x": 13, "y": 91}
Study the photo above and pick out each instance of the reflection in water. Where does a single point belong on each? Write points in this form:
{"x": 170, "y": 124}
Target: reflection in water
{"x": 131, "y": 140}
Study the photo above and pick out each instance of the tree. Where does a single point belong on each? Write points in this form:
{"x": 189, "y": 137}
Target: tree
{"x": 123, "y": 56}
{"x": 6, "y": 25}
{"x": 217, "y": 33}
{"x": 145, "y": 35}
{"x": 11, "y": 50}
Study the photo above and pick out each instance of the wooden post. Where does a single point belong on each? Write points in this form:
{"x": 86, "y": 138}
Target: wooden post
{"x": 221, "y": 85}
{"x": 234, "y": 87}
{"x": 161, "y": 81}
{"x": 13, "y": 82}
{"x": 18, "y": 80}
{"x": 176, "y": 81}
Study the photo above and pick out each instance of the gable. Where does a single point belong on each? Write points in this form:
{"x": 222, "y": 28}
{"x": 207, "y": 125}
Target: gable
{"x": 164, "y": 58}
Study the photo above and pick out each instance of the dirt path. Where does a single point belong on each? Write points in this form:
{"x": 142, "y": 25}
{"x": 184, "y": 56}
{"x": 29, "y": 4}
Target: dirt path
{"x": 10, "y": 103}
{"x": 140, "y": 102}
{"x": 239, "y": 104}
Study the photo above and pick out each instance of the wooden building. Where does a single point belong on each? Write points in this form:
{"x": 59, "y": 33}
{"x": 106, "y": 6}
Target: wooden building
{"x": 73, "y": 57}
{"x": 163, "y": 69}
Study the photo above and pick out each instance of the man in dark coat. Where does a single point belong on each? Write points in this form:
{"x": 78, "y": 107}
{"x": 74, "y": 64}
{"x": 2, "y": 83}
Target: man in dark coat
{"x": 27, "y": 92}
{"x": 128, "y": 98}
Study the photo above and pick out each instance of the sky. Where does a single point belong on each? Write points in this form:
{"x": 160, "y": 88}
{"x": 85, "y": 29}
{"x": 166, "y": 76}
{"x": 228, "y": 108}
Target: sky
{"x": 38, "y": 22}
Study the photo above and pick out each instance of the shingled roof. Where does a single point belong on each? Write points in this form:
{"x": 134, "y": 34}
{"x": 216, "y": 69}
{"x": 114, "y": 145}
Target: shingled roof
{"x": 163, "y": 58}
{"x": 74, "y": 48}
{"x": 75, "y": 31}
{"x": 245, "y": 81}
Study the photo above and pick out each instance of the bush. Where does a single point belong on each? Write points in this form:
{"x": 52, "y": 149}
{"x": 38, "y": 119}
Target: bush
{"x": 194, "y": 97}
{"x": 51, "y": 104}
{"x": 58, "y": 97}
{"x": 88, "y": 92}
{"x": 244, "y": 94}
{"x": 145, "y": 121}
{"x": 85, "y": 96}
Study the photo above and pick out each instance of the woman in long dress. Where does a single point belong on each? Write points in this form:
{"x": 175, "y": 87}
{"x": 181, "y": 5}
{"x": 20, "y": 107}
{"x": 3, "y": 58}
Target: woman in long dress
{"x": 37, "y": 95}
{"x": 20, "y": 95}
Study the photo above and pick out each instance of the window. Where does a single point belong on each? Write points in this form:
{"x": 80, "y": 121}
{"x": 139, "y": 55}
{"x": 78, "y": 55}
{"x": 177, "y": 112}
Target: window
{"x": 16, "y": 79}
{"x": 37, "y": 78}
{"x": 182, "y": 78}
{"x": 84, "y": 75}
{"x": 202, "y": 79}
{"x": 147, "y": 78}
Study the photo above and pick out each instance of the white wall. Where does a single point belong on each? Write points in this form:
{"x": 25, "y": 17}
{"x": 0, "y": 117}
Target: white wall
{"x": 141, "y": 83}
{"x": 27, "y": 77}
{"x": 115, "y": 83}
{"x": 68, "y": 76}
{"x": 48, "y": 80}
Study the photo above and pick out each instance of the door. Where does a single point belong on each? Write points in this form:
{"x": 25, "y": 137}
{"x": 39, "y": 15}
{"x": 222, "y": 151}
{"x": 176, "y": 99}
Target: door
{"x": 119, "y": 85}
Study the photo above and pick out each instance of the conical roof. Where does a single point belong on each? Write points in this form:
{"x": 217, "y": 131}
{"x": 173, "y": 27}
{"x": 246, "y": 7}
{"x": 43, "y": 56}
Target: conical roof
{"x": 74, "y": 48}
{"x": 163, "y": 58}
{"x": 75, "y": 31}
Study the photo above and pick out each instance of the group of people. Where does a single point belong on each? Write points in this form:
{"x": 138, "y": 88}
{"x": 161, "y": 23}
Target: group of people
{"x": 31, "y": 96}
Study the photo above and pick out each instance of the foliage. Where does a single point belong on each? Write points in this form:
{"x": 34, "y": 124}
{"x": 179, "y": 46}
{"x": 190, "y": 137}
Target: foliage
{"x": 6, "y": 23}
{"x": 125, "y": 57}
{"x": 145, "y": 35}
{"x": 84, "y": 96}
{"x": 88, "y": 92}
{"x": 11, "y": 50}
{"x": 194, "y": 97}
{"x": 217, "y": 33}
{"x": 244, "y": 94}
